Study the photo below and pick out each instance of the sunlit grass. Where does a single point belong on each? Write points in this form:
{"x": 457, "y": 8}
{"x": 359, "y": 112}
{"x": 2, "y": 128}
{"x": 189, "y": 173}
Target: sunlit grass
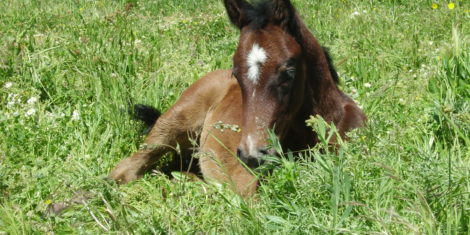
{"x": 70, "y": 69}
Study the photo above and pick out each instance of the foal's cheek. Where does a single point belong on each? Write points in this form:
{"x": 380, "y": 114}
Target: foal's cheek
{"x": 284, "y": 99}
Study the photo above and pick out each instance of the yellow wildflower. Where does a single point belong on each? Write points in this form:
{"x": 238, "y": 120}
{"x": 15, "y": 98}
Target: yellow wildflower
{"x": 434, "y": 6}
{"x": 451, "y": 5}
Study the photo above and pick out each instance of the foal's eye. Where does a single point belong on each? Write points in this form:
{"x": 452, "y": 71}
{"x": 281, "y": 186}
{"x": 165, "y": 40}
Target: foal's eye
{"x": 286, "y": 77}
{"x": 290, "y": 72}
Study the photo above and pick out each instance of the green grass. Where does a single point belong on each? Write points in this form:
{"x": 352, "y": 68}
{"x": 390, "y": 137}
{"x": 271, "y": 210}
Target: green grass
{"x": 407, "y": 171}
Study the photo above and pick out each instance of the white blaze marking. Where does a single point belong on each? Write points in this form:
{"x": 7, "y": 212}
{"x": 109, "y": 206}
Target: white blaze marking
{"x": 251, "y": 147}
{"x": 255, "y": 60}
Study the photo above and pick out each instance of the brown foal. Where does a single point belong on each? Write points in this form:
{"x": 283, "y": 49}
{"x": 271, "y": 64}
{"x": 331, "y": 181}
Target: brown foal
{"x": 280, "y": 77}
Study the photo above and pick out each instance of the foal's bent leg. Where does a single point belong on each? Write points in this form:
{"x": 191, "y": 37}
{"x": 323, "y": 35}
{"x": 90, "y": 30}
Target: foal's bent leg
{"x": 186, "y": 116}
{"x": 171, "y": 128}
{"x": 161, "y": 139}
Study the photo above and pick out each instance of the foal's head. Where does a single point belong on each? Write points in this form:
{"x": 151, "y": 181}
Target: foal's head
{"x": 269, "y": 67}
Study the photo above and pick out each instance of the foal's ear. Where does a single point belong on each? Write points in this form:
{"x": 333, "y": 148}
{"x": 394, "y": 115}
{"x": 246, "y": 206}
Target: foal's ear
{"x": 284, "y": 14}
{"x": 235, "y": 11}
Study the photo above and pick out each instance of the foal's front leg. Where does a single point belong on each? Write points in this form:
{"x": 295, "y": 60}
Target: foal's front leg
{"x": 171, "y": 129}
{"x": 186, "y": 116}
{"x": 161, "y": 139}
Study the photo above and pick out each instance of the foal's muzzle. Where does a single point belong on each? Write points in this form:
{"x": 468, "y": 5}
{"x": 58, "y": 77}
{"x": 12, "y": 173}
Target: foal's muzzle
{"x": 253, "y": 161}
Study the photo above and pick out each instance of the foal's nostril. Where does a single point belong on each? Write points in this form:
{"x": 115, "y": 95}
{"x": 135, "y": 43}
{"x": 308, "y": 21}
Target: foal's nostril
{"x": 263, "y": 151}
{"x": 239, "y": 152}
{"x": 252, "y": 161}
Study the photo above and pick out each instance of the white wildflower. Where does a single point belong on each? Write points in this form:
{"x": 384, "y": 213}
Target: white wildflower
{"x": 13, "y": 97}
{"x": 76, "y": 115}
{"x": 8, "y": 85}
{"x": 356, "y": 13}
{"x": 10, "y": 104}
{"x": 367, "y": 85}
{"x": 49, "y": 114}
{"x": 30, "y": 112}
{"x": 32, "y": 100}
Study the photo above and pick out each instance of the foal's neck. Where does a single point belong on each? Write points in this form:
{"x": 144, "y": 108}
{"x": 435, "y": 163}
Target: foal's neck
{"x": 321, "y": 95}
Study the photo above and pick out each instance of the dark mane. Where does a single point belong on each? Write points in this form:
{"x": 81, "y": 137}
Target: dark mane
{"x": 331, "y": 66}
{"x": 258, "y": 14}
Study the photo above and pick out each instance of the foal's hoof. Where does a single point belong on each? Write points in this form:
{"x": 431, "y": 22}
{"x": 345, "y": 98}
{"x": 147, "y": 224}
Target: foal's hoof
{"x": 123, "y": 177}
{"x": 125, "y": 172}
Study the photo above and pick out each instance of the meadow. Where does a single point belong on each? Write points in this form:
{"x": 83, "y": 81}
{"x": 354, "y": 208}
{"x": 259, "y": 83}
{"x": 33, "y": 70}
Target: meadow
{"x": 70, "y": 69}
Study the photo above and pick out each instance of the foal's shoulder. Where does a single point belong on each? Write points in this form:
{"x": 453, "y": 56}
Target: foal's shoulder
{"x": 218, "y": 79}
{"x": 212, "y": 87}
{"x": 218, "y": 75}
